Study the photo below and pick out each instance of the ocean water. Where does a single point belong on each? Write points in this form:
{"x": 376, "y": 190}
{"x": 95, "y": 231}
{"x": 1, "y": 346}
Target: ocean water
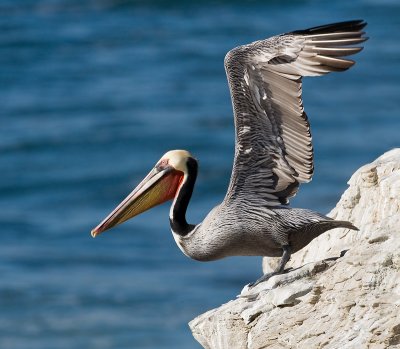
{"x": 92, "y": 94}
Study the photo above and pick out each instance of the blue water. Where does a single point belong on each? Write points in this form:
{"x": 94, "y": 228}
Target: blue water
{"x": 92, "y": 93}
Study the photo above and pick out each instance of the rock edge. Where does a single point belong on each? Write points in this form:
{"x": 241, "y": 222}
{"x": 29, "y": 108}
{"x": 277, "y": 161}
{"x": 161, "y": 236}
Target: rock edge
{"x": 326, "y": 301}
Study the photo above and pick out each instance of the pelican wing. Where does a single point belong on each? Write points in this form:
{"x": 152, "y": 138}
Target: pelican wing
{"x": 273, "y": 151}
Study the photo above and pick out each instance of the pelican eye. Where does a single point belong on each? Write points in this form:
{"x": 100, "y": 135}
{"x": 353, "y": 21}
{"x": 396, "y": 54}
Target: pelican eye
{"x": 162, "y": 164}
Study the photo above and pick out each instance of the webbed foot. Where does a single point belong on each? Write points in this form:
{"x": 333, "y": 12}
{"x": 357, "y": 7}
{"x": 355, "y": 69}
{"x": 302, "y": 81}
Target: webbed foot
{"x": 286, "y": 252}
{"x": 263, "y": 278}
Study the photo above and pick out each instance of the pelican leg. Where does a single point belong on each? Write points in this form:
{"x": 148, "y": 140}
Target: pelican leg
{"x": 287, "y": 251}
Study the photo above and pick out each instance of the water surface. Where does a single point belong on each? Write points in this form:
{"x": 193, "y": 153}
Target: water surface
{"x": 92, "y": 94}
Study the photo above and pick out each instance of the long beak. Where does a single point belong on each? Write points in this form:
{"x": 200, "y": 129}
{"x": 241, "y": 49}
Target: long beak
{"x": 156, "y": 188}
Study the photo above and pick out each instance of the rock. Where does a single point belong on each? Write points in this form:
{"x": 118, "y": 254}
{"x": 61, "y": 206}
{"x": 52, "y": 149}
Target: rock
{"x": 344, "y": 290}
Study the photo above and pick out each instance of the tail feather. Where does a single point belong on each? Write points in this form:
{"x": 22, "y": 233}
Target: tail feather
{"x": 309, "y": 232}
{"x": 342, "y": 224}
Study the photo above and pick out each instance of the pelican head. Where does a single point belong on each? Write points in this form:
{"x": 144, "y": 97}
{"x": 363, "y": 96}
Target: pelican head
{"x": 160, "y": 185}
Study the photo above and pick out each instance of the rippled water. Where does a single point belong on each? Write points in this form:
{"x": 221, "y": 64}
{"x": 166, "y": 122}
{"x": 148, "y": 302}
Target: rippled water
{"x": 92, "y": 94}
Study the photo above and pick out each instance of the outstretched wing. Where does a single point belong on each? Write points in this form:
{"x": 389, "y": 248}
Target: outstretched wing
{"x": 273, "y": 151}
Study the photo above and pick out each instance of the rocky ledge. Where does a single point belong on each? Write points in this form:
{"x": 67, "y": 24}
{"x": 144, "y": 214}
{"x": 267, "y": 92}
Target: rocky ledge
{"x": 343, "y": 290}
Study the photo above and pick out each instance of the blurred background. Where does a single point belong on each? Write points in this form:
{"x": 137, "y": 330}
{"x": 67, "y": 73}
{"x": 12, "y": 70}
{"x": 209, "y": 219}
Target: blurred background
{"x": 92, "y": 94}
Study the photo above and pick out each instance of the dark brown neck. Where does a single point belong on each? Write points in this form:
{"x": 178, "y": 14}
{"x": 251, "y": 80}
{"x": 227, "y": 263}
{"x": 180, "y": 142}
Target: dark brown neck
{"x": 177, "y": 218}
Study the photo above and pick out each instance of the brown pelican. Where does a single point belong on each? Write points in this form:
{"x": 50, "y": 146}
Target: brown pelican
{"x": 273, "y": 153}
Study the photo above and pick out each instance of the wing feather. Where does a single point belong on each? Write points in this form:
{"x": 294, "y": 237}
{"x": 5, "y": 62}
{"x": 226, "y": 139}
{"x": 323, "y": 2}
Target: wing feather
{"x": 273, "y": 152}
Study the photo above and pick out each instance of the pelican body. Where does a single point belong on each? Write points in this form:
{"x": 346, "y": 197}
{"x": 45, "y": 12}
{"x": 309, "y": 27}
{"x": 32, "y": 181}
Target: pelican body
{"x": 273, "y": 154}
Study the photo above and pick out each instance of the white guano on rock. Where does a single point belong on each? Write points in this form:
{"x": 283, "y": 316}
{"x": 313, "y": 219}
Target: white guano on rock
{"x": 344, "y": 288}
